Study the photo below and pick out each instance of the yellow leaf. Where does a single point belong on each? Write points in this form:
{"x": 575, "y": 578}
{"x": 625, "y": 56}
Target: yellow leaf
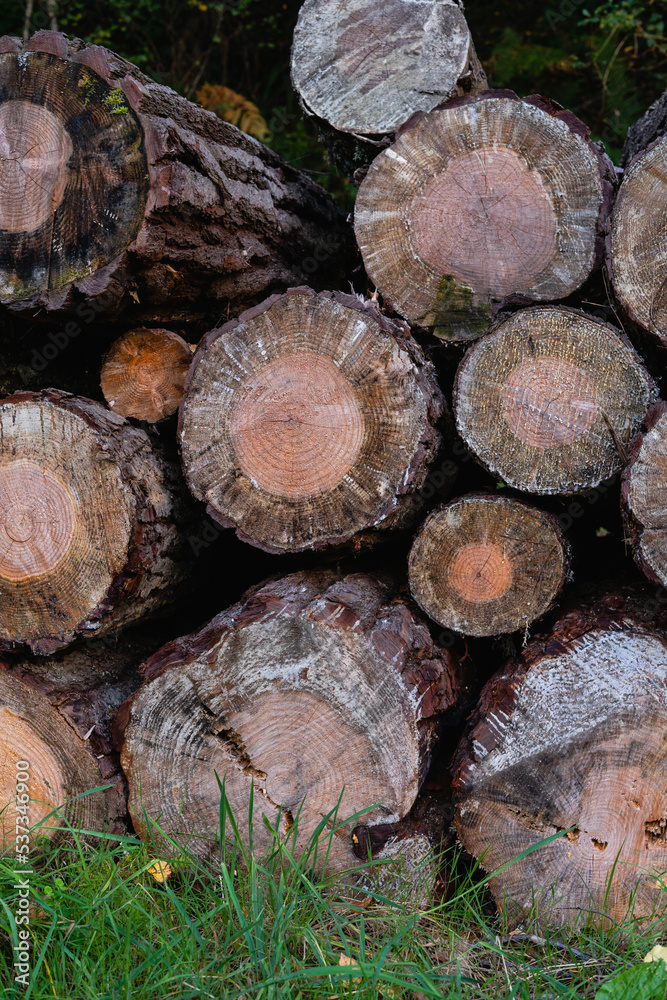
{"x": 233, "y": 108}
{"x": 656, "y": 954}
{"x": 160, "y": 871}
{"x": 346, "y": 960}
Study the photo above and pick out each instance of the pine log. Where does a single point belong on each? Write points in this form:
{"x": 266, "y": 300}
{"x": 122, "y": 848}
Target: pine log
{"x": 143, "y": 375}
{"x": 643, "y": 496}
{"x": 59, "y": 769}
{"x": 309, "y": 420}
{"x": 314, "y": 688}
{"x": 486, "y": 565}
{"x": 362, "y": 69}
{"x": 486, "y": 201}
{"x": 570, "y": 737}
{"x": 551, "y": 399}
{"x": 90, "y": 512}
{"x": 146, "y": 202}
{"x": 649, "y": 128}
{"x": 638, "y": 256}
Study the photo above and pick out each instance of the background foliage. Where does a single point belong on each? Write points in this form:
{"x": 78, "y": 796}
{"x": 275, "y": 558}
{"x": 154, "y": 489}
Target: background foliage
{"x": 607, "y": 62}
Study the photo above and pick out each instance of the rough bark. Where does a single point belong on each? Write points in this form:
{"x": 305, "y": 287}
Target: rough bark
{"x": 551, "y": 399}
{"x": 314, "y": 688}
{"x": 483, "y": 202}
{"x": 309, "y": 420}
{"x": 638, "y": 256}
{"x": 143, "y": 375}
{"x": 60, "y": 769}
{"x": 90, "y": 512}
{"x": 570, "y": 737}
{"x": 486, "y": 565}
{"x": 362, "y": 69}
{"x": 212, "y": 220}
{"x": 649, "y": 128}
{"x": 643, "y": 496}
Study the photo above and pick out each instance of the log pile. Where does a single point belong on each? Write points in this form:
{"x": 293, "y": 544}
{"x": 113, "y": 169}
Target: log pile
{"x": 260, "y": 427}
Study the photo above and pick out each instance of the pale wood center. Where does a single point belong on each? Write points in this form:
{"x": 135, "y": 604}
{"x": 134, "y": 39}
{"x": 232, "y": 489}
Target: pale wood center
{"x": 34, "y": 151}
{"x": 297, "y": 426}
{"x": 20, "y": 742}
{"x": 487, "y": 219}
{"x": 480, "y": 572}
{"x": 37, "y": 519}
{"x": 549, "y": 402}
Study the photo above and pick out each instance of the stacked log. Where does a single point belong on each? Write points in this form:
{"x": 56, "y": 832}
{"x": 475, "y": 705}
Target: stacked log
{"x": 145, "y": 203}
{"x": 485, "y": 202}
{"x": 362, "y": 70}
{"x": 322, "y": 695}
{"x": 315, "y": 425}
{"x": 309, "y": 420}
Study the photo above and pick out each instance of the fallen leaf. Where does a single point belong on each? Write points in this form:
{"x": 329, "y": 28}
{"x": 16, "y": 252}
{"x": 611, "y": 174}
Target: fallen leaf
{"x": 160, "y": 871}
{"x": 656, "y": 954}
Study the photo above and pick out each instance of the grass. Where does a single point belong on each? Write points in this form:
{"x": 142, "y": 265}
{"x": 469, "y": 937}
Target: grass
{"x": 267, "y": 927}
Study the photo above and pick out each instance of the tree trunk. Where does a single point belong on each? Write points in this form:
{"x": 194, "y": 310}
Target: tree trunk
{"x": 638, "y": 257}
{"x": 145, "y": 203}
{"x": 643, "y": 496}
{"x": 550, "y": 400}
{"x": 362, "y": 69}
{"x": 487, "y": 201}
{"x": 143, "y": 375}
{"x": 485, "y": 565}
{"x": 315, "y": 689}
{"x": 59, "y": 768}
{"x": 90, "y": 513}
{"x": 570, "y": 737}
{"x": 309, "y": 420}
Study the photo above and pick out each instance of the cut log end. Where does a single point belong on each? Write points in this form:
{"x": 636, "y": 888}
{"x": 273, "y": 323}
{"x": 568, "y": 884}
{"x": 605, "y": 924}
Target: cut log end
{"x": 487, "y": 565}
{"x": 308, "y": 421}
{"x": 87, "y": 529}
{"x": 73, "y": 173}
{"x": 551, "y": 399}
{"x": 58, "y": 769}
{"x": 311, "y": 689}
{"x": 143, "y": 375}
{"x": 479, "y": 202}
{"x": 643, "y": 496}
{"x": 638, "y": 258}
{"x": 592, "y": 763}
{"x": 367, "y": 68}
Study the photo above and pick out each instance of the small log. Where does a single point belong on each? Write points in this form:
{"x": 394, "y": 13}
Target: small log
{"x": 486, "y": 565}
{"x": 59, "y": 768}
{"x": 145, "y": 202}
{"x": 638, "y": 257}
{"x": 486, "y": 201}
{"x": 143, "y": 375}
{"x": 643, "y": 496}
{"x": 309, "y": 420}
{"x": 90, "y": 512}
{"x": 314, "y": 688}
{"x": 570, "y": 737}
{"x": 362, "y": 69}
{"x": 551, "y": 399}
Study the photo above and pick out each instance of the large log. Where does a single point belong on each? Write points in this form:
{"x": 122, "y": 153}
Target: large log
{"x": 485, "y": 565}
{"x": 145, "y": 202}
{"x": 643, "y": 496}
{"x": 638, "y": 256}
{"x": 362, "y": 69}
{"x": 486, "y": 201}
{"x": 49, "y": 793}
{"x": 309, "y": 420}
{"x": 571, "y": 737}
{"x": 551, "y": 399}
{"x": 143, "y": 375}
{"x": 90, "y": 518}
{"x": 314, "y": 688}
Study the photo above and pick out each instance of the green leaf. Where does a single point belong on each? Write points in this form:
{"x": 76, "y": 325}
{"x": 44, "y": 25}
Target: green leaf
{"x": 641, "y": 982}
